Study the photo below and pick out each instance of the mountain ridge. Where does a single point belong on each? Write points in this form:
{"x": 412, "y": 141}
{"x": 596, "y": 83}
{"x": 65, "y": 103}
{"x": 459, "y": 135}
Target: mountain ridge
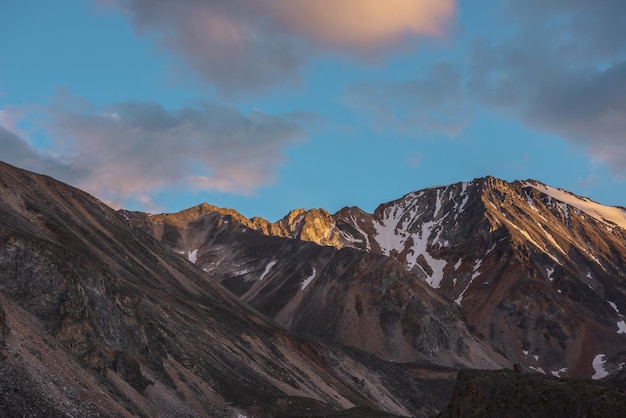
{"x": 493, "y": 247}
{"x": 100, "y": 319}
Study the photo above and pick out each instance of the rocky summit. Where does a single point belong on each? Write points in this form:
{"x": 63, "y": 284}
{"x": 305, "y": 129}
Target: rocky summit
{"x": 417, "y": 309}
{"x": 536, "y": 272}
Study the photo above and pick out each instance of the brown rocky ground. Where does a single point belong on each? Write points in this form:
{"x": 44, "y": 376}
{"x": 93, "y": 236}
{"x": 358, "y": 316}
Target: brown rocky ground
{"x": 507, "y": 394}
{"x": 102, "y": 320}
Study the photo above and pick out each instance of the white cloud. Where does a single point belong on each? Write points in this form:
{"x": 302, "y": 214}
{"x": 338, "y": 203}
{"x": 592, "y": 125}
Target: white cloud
{"x": 133, "y": 150}
{"x": 559, "y": 67}
{"x": 244, "y": 45}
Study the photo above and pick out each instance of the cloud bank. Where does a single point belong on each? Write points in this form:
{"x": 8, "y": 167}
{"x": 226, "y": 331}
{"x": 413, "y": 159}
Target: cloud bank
{"x": 563, "y": 72}
{"x": 134, "y": 149}
{"x": 242, "y": 45}
{"x": 560, "y": 69}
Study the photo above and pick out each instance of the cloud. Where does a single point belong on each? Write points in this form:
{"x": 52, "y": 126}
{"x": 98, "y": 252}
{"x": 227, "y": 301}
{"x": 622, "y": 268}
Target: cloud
{"x": 17, "y": 151}
{"x": 133, "y": 150}
{"x": 563, "y": 71}
{"x": 232, "y": 44}
{"x": 242, "y": 45}
{"x": 560, "y": 67}
{"x": 432, "y": 103}
{"x": 364, "y": 25}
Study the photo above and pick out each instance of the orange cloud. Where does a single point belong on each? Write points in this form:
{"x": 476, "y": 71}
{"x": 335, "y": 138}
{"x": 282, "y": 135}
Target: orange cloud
{"x": 364, "y": 24}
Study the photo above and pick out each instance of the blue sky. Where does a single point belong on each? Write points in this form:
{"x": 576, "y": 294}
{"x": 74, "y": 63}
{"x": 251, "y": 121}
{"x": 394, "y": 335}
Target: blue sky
{"x": 269, "y": 105}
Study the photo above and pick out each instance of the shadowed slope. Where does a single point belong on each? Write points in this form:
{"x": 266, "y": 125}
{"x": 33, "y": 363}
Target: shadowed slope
{"x": 105, "y": 320}
{"x": 537, "y": 271}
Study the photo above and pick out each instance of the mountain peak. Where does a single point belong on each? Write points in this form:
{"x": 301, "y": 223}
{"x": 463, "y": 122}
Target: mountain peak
{"x": 488, "y": 244}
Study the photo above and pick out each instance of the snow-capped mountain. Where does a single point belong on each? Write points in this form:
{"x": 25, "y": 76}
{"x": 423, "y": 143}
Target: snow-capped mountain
{"x": 98, "y": 318}
{"x": 536, "y": 271}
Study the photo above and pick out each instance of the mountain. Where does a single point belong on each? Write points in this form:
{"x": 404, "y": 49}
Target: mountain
{"x": 351, "y": 314}
{"x": 537, "y": 272}
{"x": 346, "y": 296}
{"x": 97, "y": 318}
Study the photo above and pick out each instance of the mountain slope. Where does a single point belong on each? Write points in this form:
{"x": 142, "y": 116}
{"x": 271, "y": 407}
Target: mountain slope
{"x": 537, "y": 271}
{"x": 99, "y": 319}
{"x": 346, "y": 296}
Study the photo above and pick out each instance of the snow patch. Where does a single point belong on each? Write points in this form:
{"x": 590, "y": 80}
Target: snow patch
{"x": 476, "y": 267}
{"x": 458, "y": 264}
{"x": 537, "y": 369}
{"x": 437, "y": 204}
{"x": 552, "y": 240}
{"x": 525, "y": 352}
{"x": 193, "y": 256}
{"x": 475, "y": 274}
{"x": 386, "y": 233}
{"x": 598, "y": 366}
{"x": 605, "y": 214}
{"x": 460, "y": 207}
{"x": 392, "y": 236}
{"x": 558, "y": 373}
{"x": 529, "y": 199}
{"x": 355, "y": 224}
{"x": 549, "y": 272}
{"x": 621, "y": 327}
{"x": 267, "y": 269}
{"x": 565, "y": 212}
{"x": 528, "y": 237}
{"x": 309, "y": 279}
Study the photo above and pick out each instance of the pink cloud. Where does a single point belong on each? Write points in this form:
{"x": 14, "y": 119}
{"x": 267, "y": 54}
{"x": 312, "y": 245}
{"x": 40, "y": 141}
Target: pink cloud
{"x": 248, "y": 45}
{"x": 364, "y": 24}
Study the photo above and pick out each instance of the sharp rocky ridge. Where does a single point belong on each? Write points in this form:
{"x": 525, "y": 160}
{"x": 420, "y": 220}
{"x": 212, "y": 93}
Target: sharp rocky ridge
{"x": 99, "y": 319}
{"x": 536, "y": 271}
{"x": 351, "y": 314}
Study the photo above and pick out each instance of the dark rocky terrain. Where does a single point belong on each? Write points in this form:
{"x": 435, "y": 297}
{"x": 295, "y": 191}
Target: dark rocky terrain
{"x": 537, "y": 272}
{"x": 100, "y": 319}
{"x": 363, "y": 300}
{"x": 504, "y": 393}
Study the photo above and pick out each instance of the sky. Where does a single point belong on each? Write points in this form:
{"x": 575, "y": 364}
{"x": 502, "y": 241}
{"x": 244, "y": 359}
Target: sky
{"x": 265, "y": 106}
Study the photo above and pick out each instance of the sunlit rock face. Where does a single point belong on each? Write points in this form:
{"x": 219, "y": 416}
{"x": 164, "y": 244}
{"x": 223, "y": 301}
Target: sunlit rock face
{"x": 315, "y": 225}
{"x": 536, "y": 271}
